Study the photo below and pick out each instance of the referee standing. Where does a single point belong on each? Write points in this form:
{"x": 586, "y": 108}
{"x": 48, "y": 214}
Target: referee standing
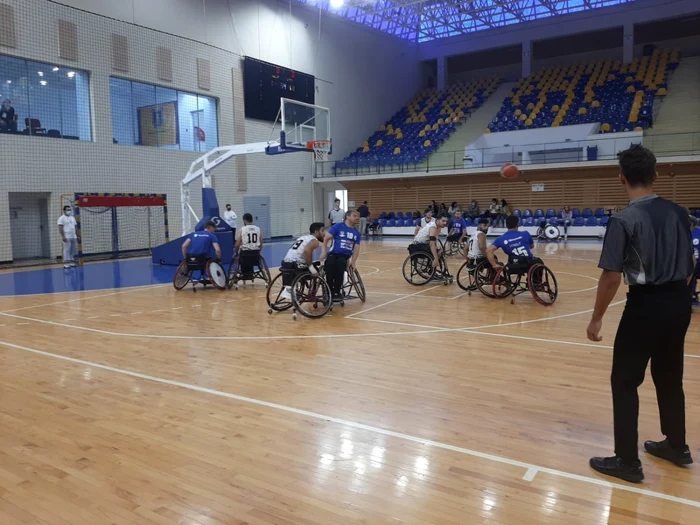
{"x": 649, "y": 243}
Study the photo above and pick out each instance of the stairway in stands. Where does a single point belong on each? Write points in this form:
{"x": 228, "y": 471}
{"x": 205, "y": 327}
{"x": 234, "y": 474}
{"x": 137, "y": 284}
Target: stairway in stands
{"x": 679, "y": 113}
{"x": 451, "y": 153}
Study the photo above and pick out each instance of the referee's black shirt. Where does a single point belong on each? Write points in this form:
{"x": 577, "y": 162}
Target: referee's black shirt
{"x": 649, "y": 242}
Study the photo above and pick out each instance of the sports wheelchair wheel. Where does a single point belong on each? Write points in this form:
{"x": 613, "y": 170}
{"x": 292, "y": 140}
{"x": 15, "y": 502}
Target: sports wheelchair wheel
{"x": 275, "y": 301}
{"x": 551, "y": 232}
{"x": 418, "y": 269}
{"x": 311, "y": 296}
{"x": 542, "y": 284}
{"x": 354, "y": 282}
{"x": 182, "y": 276}
{"x": 216, "y": 275}
{"x": 232, "y": 275}
{"x": 504, "y": 283}
{"x": 484, "y": 275}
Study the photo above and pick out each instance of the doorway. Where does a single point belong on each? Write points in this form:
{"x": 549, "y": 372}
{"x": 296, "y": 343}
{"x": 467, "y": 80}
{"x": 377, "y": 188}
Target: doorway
{"x": 29, "y": 225}
{"x": 259, "y": 208}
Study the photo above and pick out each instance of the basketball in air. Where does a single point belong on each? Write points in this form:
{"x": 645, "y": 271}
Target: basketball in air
{"x": 509, "y": 170}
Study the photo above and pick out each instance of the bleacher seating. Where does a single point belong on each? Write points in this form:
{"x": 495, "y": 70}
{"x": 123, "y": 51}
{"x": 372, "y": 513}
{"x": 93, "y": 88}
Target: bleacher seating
{"x": 420, "y": 127}
{"x": 618, "y": 96}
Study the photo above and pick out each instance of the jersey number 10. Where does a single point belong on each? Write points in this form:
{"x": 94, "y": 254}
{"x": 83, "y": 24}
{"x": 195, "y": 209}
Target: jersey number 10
{"x": 252, "y": 238}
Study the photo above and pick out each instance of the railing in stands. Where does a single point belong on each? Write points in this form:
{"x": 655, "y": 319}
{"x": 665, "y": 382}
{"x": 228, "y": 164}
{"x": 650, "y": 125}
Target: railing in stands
{"x": 608, "y": 147}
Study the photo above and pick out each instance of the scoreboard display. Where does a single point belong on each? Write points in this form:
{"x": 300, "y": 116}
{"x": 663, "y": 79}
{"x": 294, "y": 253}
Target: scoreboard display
{"x": 264, "y": 84}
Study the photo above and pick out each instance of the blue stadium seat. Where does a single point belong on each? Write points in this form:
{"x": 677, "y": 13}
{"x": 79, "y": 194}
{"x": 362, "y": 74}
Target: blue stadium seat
{"x": 587, "y": 212}
{"x": 575, "y": 213}
{"x": 528, "y": 221}
{"x": 399, "y": 215}
{"x": 527, "y": 213}
{"x": 553, "y": 221}
{"x": 578, "y": 221}
{"x": 416, "y": 222}
{"x": 468, "y": 221}
{"x": 390, "y": 222}
{"x": 551, "y": 213}
{"x": 408, "y": 222}
{"x": 516, "y": 213}
{"x": 599, "y": 212}
{"x": 591, "y": 221}
{"x": 382, "y": 223}
{"x": 539, "y": 213}
{"x": 408, "y": 215}
{"x": 604, "y": 220}
{"x": 382, "y": 215}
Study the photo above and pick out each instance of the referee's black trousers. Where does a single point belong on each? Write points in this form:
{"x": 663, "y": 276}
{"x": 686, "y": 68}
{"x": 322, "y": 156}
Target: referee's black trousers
{"x": 336, "y": 265}
{"x": 653, "y": 327}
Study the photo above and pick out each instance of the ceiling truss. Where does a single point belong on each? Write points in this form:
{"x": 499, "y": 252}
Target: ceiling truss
{"x": 425, "y": 20}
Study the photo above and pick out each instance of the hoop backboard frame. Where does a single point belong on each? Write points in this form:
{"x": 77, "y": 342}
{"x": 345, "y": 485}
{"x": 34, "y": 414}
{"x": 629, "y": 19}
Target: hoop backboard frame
{"x": 300, "y": 124}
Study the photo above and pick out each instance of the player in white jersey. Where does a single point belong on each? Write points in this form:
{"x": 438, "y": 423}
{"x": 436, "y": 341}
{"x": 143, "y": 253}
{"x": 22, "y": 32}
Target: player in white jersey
{"x": 426, "y": 240}
{"x": 428, "y": 219}
{"x": 477, "y": 242}
{"x": 299, "y": 257}
{"x": 248, "y": 244}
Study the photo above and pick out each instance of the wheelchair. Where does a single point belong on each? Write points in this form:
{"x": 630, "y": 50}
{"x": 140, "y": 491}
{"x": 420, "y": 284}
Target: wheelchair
{"x": 374, "y": 229}
{"x": 311, "y": 295}
{"x": 235, "y": 274}
{"x": 476, "y": 275}
{"x": 455, "y": 248}
{"x": 539, "y": 280}
{"x": 548, "y": 232}
{"x": 418, "y": 267}
{"x": 199, "y": 270}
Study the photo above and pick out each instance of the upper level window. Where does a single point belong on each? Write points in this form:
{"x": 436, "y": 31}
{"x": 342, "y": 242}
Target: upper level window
{"x": 148, "y": 115}
{"x": 45, "y": 100}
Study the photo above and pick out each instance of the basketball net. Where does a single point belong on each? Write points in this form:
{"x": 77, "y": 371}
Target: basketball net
{"x": 321, "y": 149}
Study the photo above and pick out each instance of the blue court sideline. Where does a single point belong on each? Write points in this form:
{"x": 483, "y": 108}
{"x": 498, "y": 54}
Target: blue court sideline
{"x": 109, "y": 274}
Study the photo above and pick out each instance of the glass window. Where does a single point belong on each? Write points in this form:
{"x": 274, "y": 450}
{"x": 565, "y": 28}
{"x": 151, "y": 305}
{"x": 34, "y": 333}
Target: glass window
{"x": 44, "y": 99}
{"x": 162, "y": 117}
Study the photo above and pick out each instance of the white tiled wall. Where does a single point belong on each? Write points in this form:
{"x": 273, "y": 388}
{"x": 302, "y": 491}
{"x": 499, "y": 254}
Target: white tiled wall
{"x": 361, "y": 75}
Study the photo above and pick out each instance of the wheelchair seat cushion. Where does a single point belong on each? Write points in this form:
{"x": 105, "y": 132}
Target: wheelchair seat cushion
{"x": 422, "y": 247}
{"x": 196, "y": 262}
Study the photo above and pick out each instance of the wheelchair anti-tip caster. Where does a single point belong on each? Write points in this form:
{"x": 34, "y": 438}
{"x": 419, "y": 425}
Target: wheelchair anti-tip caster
{"x": 512, "y": 301}
{"x": 294, "y": 316}
{"x": 269, "y": 311}
{"x": 342, "y": 303}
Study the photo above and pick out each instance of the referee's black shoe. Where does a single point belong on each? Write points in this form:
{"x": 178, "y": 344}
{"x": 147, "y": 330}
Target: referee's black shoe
{"x": 661, "y": 449}
{"x": 616, "y": 467}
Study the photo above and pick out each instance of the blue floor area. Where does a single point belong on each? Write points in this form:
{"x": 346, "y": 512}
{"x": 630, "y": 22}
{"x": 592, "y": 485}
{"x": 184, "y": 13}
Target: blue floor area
{"x": 104, "y": 275}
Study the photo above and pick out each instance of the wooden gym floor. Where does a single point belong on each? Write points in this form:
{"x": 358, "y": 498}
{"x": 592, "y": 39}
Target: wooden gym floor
{"x": 421, "y": 406}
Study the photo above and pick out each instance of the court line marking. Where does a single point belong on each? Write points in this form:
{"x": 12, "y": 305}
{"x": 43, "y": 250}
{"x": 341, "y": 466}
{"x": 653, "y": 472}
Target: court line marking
{"x": 369, "y": 428}
{"x": 122, "y": 291}
{"x": 391, "y": 302}
{"x": 530, "y": 474}
{"x": 83, "y": 291}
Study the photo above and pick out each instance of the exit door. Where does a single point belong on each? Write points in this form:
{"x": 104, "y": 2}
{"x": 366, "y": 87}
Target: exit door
{"x": 259, "y": 208}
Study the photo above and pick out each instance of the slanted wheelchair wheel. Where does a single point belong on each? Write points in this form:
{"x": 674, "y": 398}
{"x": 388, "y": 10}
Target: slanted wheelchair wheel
{"x": 484, "y": 275}
{"x": 182, "y": 276}
{"x": 311, "y": 296}
{"x": 465, "y": 278}
{"x": 551, "y": 232}
{"x": 542, "y": 284}
{"x": 503, "y": 283}
{"x": 418, "y": 269}
{"x": 274, "y": 295}
{"x": 232, "y": 275}
{"x": 358, "y": 285}
{"x": 217, "y": 275}
{"x": 265, "y": 271}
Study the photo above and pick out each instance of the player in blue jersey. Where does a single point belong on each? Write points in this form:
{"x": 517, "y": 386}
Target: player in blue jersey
{"x": 458, "y": 228}
{"x": 202, "y": 245}
{"x": 516, "y": 244}
{"x": 346, "y": 247}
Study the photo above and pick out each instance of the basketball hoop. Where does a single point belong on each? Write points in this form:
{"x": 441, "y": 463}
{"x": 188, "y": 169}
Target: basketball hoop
{"x": 321, "y": 149}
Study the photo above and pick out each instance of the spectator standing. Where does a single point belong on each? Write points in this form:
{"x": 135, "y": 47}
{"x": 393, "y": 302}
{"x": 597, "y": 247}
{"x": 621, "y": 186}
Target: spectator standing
{"x": 473, "y": 211}
{"x": 336, "y": 215}
{"x": 230, "y": 219}
{"x": 650, "y": 243}
{"x": 363, "y": 210}
{"x": 8, "y": 116}
{"x": 505, "y": 211}
{"x": 67, "y": 229}
{"x": 566, "y": 216}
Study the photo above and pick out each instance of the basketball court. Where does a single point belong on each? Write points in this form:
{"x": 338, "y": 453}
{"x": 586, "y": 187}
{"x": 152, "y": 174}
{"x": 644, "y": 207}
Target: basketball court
{"x": 421, "y": 405}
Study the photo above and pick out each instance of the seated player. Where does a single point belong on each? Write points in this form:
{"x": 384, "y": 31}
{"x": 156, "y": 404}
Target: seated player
{"x": 248, "y": 245}
{"x": 424, "y": 221}
{"x": 346, "y": 247}
{"x": 203, "y": 246}
{"x": 477, "y": 243}
{"x": 299, "y": 257}
{"x": 518, "y": 245}
{"x": 426, "y": 240}
{"x": 458, "y": 228}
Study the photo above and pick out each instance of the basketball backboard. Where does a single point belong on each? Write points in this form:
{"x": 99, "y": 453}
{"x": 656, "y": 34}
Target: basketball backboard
{"x": 299, "y": 125}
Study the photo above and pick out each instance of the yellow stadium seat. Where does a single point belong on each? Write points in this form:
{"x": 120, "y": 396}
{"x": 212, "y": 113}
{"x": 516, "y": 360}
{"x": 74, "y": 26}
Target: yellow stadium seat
{"x": 605, "y": 127}
{"x": 382, "y": 128}
{"x": 487, "y": 130}
{"x": 555, "y": 107}
{"x": 517, "y": 113}
{"x": 662, "y": 92}
{"x": 427, "y": 127}
{"x": 530, "y": 105}
{"x": 365, "y": 144}
{"x": 397, "y": 151}
{"x": 389, "y": 131}
{"x": 441, "y": 121}
{"x": 422, "y": 133}
{"x": 427, "y": 144}
{"x": 365, "y": 149}
{"x": 638, "y": 129}
{"x": 528, "y": 122}
{"x": 582, "y": 111}
{"x": 595, "y": 104}
{"x": 380, "y": 142}
{"x": 630, "y": 89}
{"x": 399, "y": 136}
{"x": 435, "y": 127}
{"x": 522, "y": 117}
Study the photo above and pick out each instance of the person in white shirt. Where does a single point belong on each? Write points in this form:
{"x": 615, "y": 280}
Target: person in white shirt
{"x": 428, "y": 219}
{"x": 67, "y": 229}
{"x": 477, "y": 243}
{"x": 230, "y": 218}
{"x": 336, "y": 215}
{"x": 299, "y": 257}
{"x": 248, "y": 245}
